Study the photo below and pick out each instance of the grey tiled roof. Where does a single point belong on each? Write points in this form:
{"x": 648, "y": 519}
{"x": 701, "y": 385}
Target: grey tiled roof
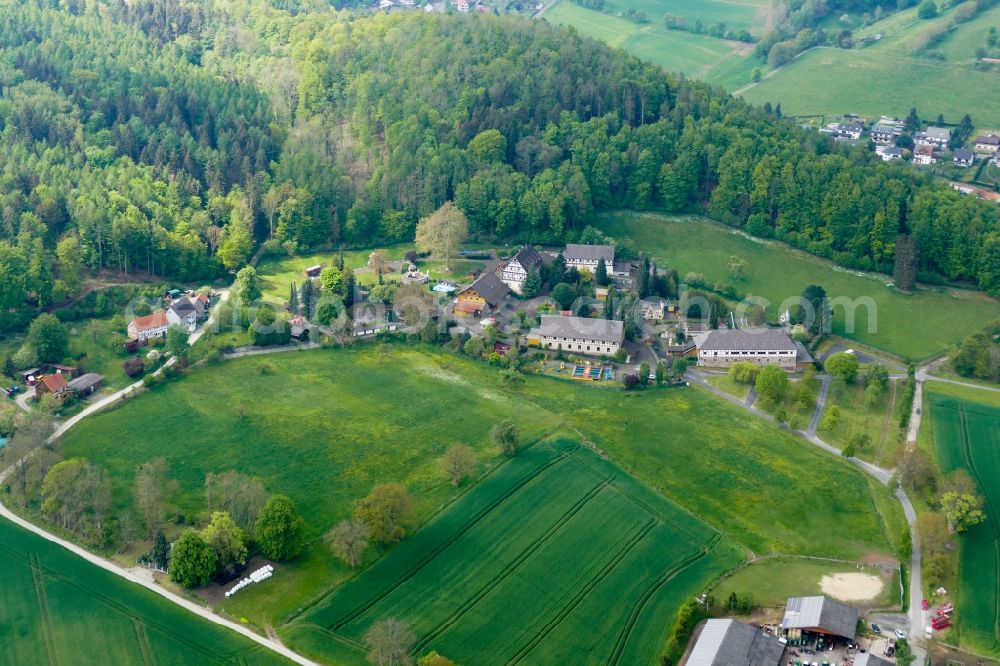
{"x": 528, "y": 257}
{"x": 581, "y": 328}
{"x": 732, "y": 643}
{"x": 868, "y": 659}
{"x": 761, "y": 339}
{"x": 821, "y": 613}
{"x": 491, "y": 287}
{"x": 576, "y": 252}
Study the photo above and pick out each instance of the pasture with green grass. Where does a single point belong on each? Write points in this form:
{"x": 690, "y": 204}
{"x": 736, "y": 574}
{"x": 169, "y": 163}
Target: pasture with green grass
{"x": 891, "y": 76}
{"x": 770, "y": 582}
{"x": 879, "y": 422}
{"x": 615, "y": 558}
{"x": 58, "y": 608}
{"x": 965, "y": 434}
{"x": 776, "y": 272}
{"x": 324, "y": 426}
{"x": 696, "y": 55}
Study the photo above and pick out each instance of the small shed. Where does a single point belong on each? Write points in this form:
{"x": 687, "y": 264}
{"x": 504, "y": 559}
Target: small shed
{"x": 314, "y": 271}
{"x": 87, "y": 384}
{"x": 66, "y": 370}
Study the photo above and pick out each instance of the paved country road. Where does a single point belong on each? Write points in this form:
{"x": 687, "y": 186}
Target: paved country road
{"x": 880, "y": 474}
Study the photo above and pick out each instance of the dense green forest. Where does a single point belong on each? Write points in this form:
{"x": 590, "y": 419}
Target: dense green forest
{"x": 170, "y": 137}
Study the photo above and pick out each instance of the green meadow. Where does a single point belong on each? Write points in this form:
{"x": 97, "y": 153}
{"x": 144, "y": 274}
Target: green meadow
{"x": 776, "y": 272}
{"x": 696, "y": 55}
{"x": 891, "y": 75}
{"x": 56, "y": 608}
{"x": 324, "y": 426}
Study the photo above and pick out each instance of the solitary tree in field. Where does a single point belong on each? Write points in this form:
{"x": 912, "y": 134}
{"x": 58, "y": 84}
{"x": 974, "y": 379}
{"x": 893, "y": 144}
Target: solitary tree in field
{"x": 177, "y": 342}
{"x": 736, "y": 266}
{"x": 248, "y": 285}
{"x": 458, "y": 462}
{"x": 280, "y": 531}
{"x": 504, "y": 435}
{"x": 843, "y": 366}
{"x": 962, "y": 510}
{"x": 390, "y": 643}
{"x": 388, "y": 511}
{"x": 192, "y": 561}
{"x": 349, "y": 540}
{"x": 49, "y": 338}
{"x": 772, "y": 384}
{"x": 442, "y": 232}
{"x": 150, "y": 486}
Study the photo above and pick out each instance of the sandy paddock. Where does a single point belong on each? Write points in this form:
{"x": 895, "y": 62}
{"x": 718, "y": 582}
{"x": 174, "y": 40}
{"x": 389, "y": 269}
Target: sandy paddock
{"x": 852, "y": 586}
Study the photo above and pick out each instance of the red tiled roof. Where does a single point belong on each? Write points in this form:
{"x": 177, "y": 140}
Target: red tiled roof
{"x": 155, "y": 320}
{"x": 54, "y": 383}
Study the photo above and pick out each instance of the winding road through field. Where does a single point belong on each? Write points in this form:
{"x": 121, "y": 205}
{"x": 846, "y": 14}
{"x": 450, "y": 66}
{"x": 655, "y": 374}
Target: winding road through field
{"x": 915, "y": 614}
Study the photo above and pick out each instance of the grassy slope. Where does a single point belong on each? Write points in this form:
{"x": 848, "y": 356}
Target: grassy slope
{"x": 886, "y": 78}
{"x": 57, "y": 608}
{"x": 777, "y": 272}
{"x": 674, "y": 50}
{"x": 879, "y": 422}
{"x": 549, "y": 501}
{"x": 313, "y": 430}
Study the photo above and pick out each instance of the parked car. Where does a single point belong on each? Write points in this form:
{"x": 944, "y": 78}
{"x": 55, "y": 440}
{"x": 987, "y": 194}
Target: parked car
{"x": 926, "y": 605}
{"x": 899, "y": 634}
{"x": 877, "y": 629}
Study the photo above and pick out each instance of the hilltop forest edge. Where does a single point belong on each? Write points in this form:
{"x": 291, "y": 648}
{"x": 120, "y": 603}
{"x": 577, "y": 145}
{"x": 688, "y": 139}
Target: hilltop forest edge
{"x": 169, "y": 139}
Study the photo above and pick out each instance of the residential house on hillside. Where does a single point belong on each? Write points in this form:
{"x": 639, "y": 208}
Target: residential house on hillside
{"x": 889, "y": 153}
{"x": 515, "y": 271}
{"x": 937, "y": 137}
{"x": 54, "y": 384}
{"x": 182, "y": 312}
{"x": 765, "y": 346}
{"x": 578, "y": 334}
{"x": 851, "y": 131}
{"x": 924, "y": 154}
{"x": 884, "y": 133}
{"x": 486, "y": 293}
{"x": 963, "y": 157}
{"x": 151, "y": 326}
{"x": 731, "y": 643}
{"x": 988, "y": 144}
{"x": 586, "y": 257}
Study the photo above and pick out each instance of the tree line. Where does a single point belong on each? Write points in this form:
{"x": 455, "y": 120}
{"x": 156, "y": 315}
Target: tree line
{"x": 135, "y": 146}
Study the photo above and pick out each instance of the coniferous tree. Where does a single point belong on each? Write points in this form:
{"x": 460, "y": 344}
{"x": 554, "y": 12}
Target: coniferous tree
{"x": 904, "y": 272}
{"x": 293, "y": 299}
{"x": 601, "y": 274}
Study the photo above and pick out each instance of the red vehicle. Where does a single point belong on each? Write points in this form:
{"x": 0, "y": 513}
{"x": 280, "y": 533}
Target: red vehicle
{"x": 945, "y": 609}
{"x": 940, "y": 623}
{"x": 925, "y": 604}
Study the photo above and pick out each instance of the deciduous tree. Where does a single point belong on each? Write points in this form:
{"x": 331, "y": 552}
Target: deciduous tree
{"x": 349, "y": 540}
{"x": 458, "y": 462}
{"x": 390, "y": 643}
{"x": 388, "y": 511}
{"x": 280, "y": 531}
{"x": 443, "y": 232}
{"x": 192, "y": 560}
{"x": 505, "y": 437}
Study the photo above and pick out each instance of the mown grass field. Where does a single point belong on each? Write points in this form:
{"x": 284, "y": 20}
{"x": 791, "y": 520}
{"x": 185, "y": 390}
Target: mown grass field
{"x": 56, "y": 608}
{"x": 674, "y": 50}
{"x": 967, "y": 436}
{"x": 770, "y": 582}
{"x": 324, "y": 426}
{"x": 889, "y": 77}
{"x": 776, "y": 271}
{"x": 614, "y": 557}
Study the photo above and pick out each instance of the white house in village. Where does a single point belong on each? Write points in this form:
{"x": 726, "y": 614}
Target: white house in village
{"x": 933, "y": 136}
{"x": 515, "y": 272}
{"x": 578, "y": 334}
{"x": 151, "y": 326}
{"x": 586, "y": 257}
{"x": 765, "y": 346}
